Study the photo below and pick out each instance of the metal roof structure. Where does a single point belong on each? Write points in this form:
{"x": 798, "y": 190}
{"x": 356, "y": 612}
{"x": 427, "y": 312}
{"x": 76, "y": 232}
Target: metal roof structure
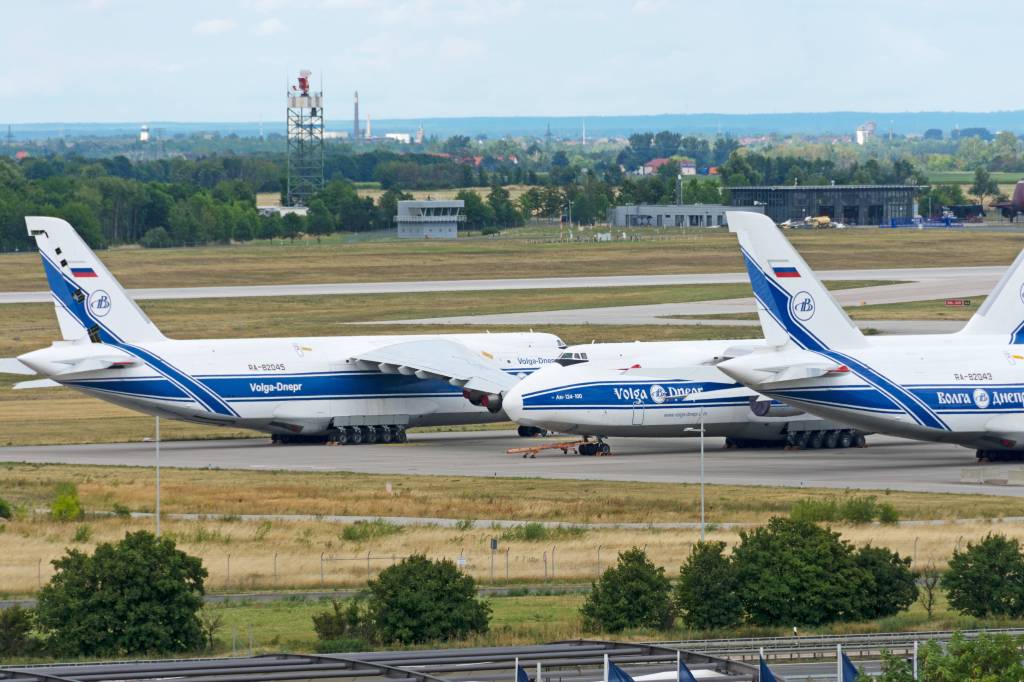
{"x": 571, "y": 661}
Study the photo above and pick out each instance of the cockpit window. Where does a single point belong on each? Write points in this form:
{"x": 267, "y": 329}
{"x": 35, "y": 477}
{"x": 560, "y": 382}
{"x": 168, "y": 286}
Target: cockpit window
{"x": 568, "y": 358}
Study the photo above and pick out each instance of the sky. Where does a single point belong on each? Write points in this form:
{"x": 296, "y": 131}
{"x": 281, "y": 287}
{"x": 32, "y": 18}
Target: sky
{"x": 231, "y": 60}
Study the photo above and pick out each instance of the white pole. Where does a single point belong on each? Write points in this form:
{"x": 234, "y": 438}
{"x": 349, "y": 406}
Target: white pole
{"x": 158, "y": 476}
{"x": 702, "y": 474}
{"x": 538, "y": 672}
{"x": 839, "y": 663}
{"x": 915, "y": 659}
{"x": 606, "y": 668}
{"x": 679, "y": 658}
{"x": 515, "y": 675}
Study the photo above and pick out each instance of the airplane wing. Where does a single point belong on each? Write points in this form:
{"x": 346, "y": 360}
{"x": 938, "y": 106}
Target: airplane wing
{"x": 439, "y": 359}
{"x": 37, "y": 383}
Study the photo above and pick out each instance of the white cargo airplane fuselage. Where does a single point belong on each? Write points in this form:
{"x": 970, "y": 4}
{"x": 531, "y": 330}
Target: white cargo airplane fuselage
{"x": 965, "y": 388}
{"x": 638, "y": 390}
{"x": 305, "y": 386}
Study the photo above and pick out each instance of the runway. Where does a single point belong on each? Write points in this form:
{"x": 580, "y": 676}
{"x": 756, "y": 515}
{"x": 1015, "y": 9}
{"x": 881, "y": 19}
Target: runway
{"x": 888, "y": 463}
{"x": 945, "y": 278}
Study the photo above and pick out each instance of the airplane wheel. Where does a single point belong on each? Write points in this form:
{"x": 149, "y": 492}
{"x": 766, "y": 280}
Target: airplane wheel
{"x": 604, "y": 449}
{"x": 800, "y": 440}
{"x": 369, "y": 435}
{"x": 831, "y": 439}
{"x": 525, "y": 431}
{"x": 339, "y": 436}
{"x": 845, "y": 439}
{"x": 859, "y": 441}
{"x": 816, "y": 439}
{"x": 355, "y": 434}
{"x": 587, "y": 449}
{"x": 400, "y": 435}
{"x": 383, "y": 434}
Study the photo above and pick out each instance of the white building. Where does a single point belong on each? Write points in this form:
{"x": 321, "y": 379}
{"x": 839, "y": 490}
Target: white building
{"x": 430, "y": 219}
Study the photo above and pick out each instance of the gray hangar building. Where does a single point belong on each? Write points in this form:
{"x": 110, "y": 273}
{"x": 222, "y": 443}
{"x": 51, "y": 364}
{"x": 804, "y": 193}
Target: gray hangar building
{"x": 850, "y": 204}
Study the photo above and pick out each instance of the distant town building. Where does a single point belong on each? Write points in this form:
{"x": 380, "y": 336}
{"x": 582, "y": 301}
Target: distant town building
{"x": 848, "y": 204}
{"x": 683, "y": 166}
{"x": 403, "y": 138}
{"x": 144, "y": 134}
{"x": 864, "y": 132}
{"x": 671, "y": 215}
{"x": 419, "y": 135}
{"x": 429, "y": 219}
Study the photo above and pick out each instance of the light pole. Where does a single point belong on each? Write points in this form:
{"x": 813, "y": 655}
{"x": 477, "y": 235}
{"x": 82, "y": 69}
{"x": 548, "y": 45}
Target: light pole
{"x": 570, "y": 215}
{"x": 701, "y": 430}
{"x": 158, "y": 476}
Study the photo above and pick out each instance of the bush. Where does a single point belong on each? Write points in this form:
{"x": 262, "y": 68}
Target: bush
{"x": 797, "y": 573}
{"x": 705, "y": 595}
{"x": 987, "y": 578}
{"x": 156, "y": 238}
{"x": 361, "y": 531}
{"x": 858, "y": 509}
{"x": 343, "y": 628}
{"x": 121, "y": 511}
{"x": 419, "y": 600}
{"x": 16, "y": 638}
{"x": 855, "y": 509}
{"x": 139, "y": 596}
{"x": 66, "y": 506}
{"x": 83, "y": 533}
{"x": 891, "y": 586}
{"x": 815, "y": 510}
{"x": 633, "y": 593}
{"x": 5, "y": 509}
{"x": 988, "y": 657}
{"x": 537, "y": 532}
{"x": 887, "y": 514}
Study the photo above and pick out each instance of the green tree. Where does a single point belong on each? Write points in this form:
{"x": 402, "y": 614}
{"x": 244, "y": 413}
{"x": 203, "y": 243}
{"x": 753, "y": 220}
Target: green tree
{"x": 987, "y": 578}
{"x": 793, "y": 572}
{"x": 5, "y": 509}
{"x": 633, "y": 593}
{"x": 983, "y": 185}
{"x": 139, "y": 596}
{"x": 292, "y": 225}
{"x": 16, "y": 638}
{"x": 419, "y": 600}
{"x": 478, "y": 214}
{"x": 705, "y": 594}
{"x": 155, "y": 238}
{"x": 505, "y": 212}
{"x": 890, "y": 587}
{"x": 318, "y": 220}
{"x": 988, "y": 658}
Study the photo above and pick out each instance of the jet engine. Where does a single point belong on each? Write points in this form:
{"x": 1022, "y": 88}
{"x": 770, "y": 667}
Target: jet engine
{"x": 765, "y": 407}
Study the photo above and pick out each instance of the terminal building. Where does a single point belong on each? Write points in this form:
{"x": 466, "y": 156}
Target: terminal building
{"x": 429, "y": 219}
{"x": 849, "y": 204}
{"x": 671, "y": 215}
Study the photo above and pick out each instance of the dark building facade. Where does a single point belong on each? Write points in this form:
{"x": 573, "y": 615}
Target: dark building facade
{"x": 849, "y": 204}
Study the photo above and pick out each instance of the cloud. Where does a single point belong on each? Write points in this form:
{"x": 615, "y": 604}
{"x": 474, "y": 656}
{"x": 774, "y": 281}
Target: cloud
{"x": 270, "y": 26}
{"x": 212, "y": 27}
{"x": 648, "y": 6}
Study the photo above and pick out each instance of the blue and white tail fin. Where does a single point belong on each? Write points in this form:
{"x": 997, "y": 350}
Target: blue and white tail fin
{"x": 89, "y": 301}
{"x": 793, "y": 305}
{"x": 1002, "y": 314}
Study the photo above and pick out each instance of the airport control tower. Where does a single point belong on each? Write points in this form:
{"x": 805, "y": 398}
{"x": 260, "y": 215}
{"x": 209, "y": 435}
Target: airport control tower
{"x": 305, "y": 142}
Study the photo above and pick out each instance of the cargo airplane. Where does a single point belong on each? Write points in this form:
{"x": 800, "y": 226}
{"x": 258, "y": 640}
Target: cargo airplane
{"x": 346, "y": 389}
{"x": 662, "y": 389}
{"x": 965, "y": 388}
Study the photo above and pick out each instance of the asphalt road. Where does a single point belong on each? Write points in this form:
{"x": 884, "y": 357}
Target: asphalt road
{"x": 948, "y": 279}
{"x": 888, "y": 463}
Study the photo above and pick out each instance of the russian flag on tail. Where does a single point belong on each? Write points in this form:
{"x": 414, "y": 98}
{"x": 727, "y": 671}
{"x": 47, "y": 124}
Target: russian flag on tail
{"x": 785, "y": 271}
{"x": 83, "y": 272}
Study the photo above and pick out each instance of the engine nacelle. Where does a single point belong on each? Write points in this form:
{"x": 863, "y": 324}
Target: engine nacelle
{"x": 492, "y": 402}
{"x": 765, "y": 407}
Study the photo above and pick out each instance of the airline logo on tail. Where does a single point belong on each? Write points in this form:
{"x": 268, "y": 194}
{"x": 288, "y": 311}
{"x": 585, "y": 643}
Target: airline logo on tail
{"x": 802, "y": 306}
{"x": 99, "y": 303}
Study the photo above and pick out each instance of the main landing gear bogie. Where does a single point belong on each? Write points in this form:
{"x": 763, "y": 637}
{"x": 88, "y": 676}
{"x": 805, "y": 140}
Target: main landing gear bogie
{"x": 531, "y": 432}
{"x": 832, "y": 439}
{"x": 596, "y": 449}
{"x": 348, "y": 435}
{"x": 999, "y": 455}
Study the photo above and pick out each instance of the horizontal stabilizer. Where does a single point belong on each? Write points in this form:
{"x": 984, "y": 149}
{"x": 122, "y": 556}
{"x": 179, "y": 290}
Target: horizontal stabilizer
{"x": 440, "y": 359}
{"x": 36, "y": 383}
{"x": 95, "y": 364}
{"x": 14, "y": 366}
{"x": 1002, "y": 313}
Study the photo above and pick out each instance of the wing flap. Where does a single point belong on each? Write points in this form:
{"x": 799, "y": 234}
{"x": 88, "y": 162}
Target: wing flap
{"x": 439, "y": 359}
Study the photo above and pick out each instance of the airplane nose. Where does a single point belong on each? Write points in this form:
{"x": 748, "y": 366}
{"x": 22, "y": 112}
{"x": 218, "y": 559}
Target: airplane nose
{"x": 512, "y": 403}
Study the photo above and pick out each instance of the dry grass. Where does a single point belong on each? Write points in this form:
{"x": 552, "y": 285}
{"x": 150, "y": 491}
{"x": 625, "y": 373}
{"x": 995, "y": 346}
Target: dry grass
{"x": 244, "y": 555}
{"x": 218, "y": 491}
{"x": 682, "y": 252}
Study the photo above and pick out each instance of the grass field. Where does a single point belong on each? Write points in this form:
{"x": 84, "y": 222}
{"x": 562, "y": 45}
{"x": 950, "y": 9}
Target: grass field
{"x": 685, "y": 251}
{"x": 259, "y": 554}
{"x": 967, "y": 177}
{"x": 915, "y": 310}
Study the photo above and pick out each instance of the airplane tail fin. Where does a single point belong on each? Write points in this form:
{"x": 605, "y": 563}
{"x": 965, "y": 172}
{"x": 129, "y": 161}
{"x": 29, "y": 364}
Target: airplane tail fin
{"x": 1003, "y": 310}
{"x": 88, "y": 299}
{"x": 793, "y": 305}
